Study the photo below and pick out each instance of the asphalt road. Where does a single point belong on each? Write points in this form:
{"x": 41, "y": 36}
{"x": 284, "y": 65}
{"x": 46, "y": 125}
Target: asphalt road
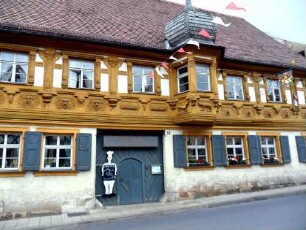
{"x": 284, "y": 213}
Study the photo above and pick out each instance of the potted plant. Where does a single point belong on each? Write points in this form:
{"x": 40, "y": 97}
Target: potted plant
{"x": 237, "y": 160}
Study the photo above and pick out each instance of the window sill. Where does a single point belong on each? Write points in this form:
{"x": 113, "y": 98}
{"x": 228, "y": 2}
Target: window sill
{"x": 198, "y": 168}
{"x": 56, "y": 173}
{"x": 11, "y": 174}
{"x": 238, "y": 166}
{"x": 271, "y": 164}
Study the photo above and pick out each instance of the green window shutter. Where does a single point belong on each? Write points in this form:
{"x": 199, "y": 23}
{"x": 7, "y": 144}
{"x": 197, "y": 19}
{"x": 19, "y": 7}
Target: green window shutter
{"x": 179, "y": 151}
{"x": 254, "y": 148}
{"x": 300, "y": 143}
{"x": 219, "y": 150}
{"x": 83, "y": 152}
{"x": 32, "y": 147}
{"x": 284, "y": 141}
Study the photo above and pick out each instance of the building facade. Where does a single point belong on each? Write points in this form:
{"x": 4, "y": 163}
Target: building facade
{"x": 183, "y": 121}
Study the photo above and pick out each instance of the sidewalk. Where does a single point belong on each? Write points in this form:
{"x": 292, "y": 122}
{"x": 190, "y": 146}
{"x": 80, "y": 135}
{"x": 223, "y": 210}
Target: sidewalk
{"x": 112, "y": 213}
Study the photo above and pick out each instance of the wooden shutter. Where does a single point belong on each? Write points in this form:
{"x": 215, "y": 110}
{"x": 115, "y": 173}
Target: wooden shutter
{"x": 285, "y": 149}
{"x": 219, "y": 150}
{"x": 83, "y": 152}
{"x": 254, "y": 148}
{"x": 300, "y": 143}
{"x": 179, "y": 151}
{"x": 32, "y": 147}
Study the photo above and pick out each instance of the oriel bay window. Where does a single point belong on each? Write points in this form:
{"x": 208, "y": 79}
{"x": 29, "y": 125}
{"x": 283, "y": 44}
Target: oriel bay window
{"x": 183, "y": 81}
{"x": 58, "y": 151}
{"x": 81, "y": 74}
{"x": 203, "y": 78}
{"x": 9, "y": 151}
{"x": 143, "y": 79}
{"x": 13, "y": 67}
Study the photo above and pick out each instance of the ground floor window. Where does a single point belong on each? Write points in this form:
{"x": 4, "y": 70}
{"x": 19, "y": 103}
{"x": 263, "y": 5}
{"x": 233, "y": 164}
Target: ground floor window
{"x": 269, "y": 150}
{"x": 9, "y": 150}
{"x": 57, "y": 151}
{"x": 197, "y": 150}
{"x": 235, "y": 150}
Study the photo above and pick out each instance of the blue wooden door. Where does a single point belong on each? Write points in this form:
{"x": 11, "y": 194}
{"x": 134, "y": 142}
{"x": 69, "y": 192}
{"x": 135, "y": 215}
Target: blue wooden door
{"x": 130, "y": 182}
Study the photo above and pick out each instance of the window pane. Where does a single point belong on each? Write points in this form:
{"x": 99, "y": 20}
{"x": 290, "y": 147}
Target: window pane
{"x": 50, "y": 153}
{"x": 272, "y": 151}
{"x": 229, "y": 140}
{"x": 148, "y": 89}
{"x": 13, "y": 139}
{"x": 201, "y": 140}
{"x": 201, "y": 152}
{"x": 191, "y": 154}
{"x": 64, "y": 163}
{"x": 75, "y": 64}
{"x": 230, "y": 152}
{"x": 65, "y": 153}
{"x": 11, "y": 163}
{"x": 183, "y": 70}
{"x": 65, "y": 140}
{"x": 12, "y": 152}
{"x": 190, "y": 140}
{"x": 270, "y": 140}
{"x": 22, "y": 58}
{"x": 87, "y": 79}
{"x": 238, "y": 141}
{"x": 184, "y": 88}
{"x": 1, "y": 154}
{"x": 1, "y": 139}
{"x": 50, "y": 163}
{"x": 88, "y": 65}
{"x": 239, "y": 151}
{"x": 51, "y": 140}
{"x": 7, "y": 56}
{"x": 74, "y": 78}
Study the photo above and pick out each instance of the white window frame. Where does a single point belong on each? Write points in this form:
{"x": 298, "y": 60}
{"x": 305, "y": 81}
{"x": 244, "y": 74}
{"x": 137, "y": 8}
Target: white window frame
{"x": 196, "y": 147}
{"x": 183, "y": 75}
{"x": 144, "y": 79}
{"x": 233, "y": 86}
{"x": 234, "y": 147}
{"x": 57, "y": 147}
{"x": 14, "y": 64}
{"x": 6, "y": 146}
{"x": 82, "y": 70}
{"x": 265, "y": 145}
{"x": 272, "y": 86}
{"x": 206, "y": 74}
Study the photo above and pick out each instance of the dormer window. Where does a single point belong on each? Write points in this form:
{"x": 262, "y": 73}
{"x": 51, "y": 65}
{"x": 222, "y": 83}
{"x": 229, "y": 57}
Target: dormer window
{"x": 13, "y": 67}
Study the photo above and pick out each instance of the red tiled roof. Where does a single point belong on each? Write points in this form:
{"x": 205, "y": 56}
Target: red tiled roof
{"x": 138, "y": 23}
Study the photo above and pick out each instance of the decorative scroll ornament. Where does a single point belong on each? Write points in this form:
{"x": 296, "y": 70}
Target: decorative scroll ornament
{"x": 285, "y": 78}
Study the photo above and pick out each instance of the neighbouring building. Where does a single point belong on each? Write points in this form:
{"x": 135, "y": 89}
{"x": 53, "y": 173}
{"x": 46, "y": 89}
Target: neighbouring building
{"x": 81, "y": 78}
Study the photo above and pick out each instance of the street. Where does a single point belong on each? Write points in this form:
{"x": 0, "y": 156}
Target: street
{"x": 284, "y": 213}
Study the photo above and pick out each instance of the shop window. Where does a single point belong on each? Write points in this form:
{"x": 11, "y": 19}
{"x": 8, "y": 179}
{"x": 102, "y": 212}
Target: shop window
{"x": 10, "y": 151}
{"x": 143, "y": 79}
{"x": 234, "y": 88}
{"x": 13, "y": 67}
{"x": 81, "y": 74}
{"x": 57, "y": 151}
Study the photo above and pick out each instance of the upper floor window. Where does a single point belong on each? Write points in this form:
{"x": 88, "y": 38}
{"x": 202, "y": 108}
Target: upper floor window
{"x": 81, "y": 74}
{"x": 183, "y": 81}
{"x": 143, "y": 79}
{"x": 57, "y": 151}
{"x": 203, "y": 78}
{"x": 13, "y": 67}
{"x": 274, "y": 91}
{"x": 235, "y": 88}
{"x": 9, "y": 150}
{"x": 197, "y": 150}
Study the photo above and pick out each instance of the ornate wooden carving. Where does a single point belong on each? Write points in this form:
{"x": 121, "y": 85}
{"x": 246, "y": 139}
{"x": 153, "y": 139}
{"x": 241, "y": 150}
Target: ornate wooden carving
{"x": 65, "y": 103}
{"x": 28, "y": 100}
{"x": 96, "y": 105}
{"x": 160, "y": 107}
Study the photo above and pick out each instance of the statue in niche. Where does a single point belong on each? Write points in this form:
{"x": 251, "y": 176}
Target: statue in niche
{"x": 109, "y": 173}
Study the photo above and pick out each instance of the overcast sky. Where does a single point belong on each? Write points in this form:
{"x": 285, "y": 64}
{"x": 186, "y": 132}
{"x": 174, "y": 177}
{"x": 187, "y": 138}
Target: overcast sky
{"x": 285, "y": 19}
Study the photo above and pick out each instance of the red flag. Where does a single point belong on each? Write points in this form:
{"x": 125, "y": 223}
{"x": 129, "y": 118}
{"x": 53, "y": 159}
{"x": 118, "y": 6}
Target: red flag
{"x": 181, "y": 50}
{"x": 204, "y": 33}
{"x": 151, "y": 74}
{"x": 233, "y": 6}
{"x": 165, "y": 65}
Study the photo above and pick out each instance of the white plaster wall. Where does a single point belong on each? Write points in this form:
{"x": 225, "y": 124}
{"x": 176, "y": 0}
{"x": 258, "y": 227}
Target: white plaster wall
{"x": 103, "y": 66}
{"x": 288, "y": 96}
{"x": 301, "y": 97}
{"x": 122, "y": 84}
{"x": 179, "y": 180}
{"x": 123, "y": 67}
{"x": 252, "y": 94}
{"x": 38, "y": 58}
{"x": 104, "y": 82}
{"x": 57, "y": 78}
{"x": 60, "y": 193}
{"x": 39, "y": 76}
{"x": 165, "y": 88}
{"x": 59, "y": 61}
{"x": 221, "y": 92}
{"x": 262, "y": 95}
{"x": 299, "y": 84}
